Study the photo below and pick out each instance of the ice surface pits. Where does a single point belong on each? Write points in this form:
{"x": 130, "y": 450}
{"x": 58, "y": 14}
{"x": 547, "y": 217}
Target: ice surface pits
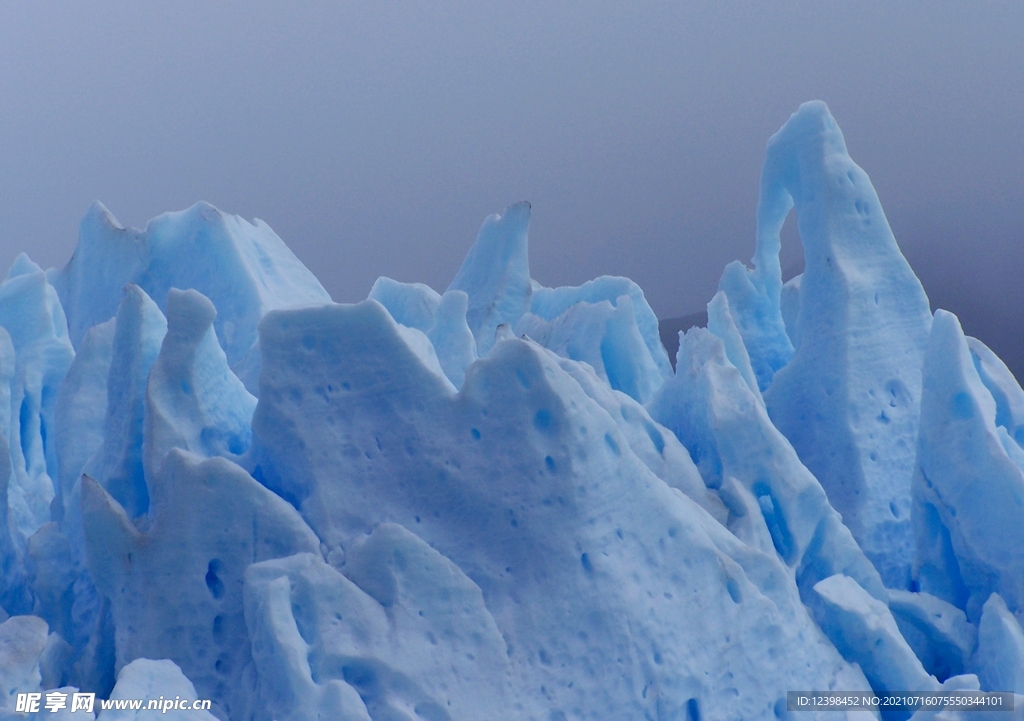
{"x": 499, "y": 501}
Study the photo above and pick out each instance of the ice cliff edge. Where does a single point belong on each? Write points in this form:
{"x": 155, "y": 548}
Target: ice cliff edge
{"x": 500, "y": 501}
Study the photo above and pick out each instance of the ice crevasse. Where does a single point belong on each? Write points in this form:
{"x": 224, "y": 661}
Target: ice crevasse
{"x": 500, "y": 501}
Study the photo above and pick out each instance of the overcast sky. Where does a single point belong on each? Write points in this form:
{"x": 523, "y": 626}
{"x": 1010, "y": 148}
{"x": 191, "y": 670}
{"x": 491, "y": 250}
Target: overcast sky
{"x": 375, "y": 136}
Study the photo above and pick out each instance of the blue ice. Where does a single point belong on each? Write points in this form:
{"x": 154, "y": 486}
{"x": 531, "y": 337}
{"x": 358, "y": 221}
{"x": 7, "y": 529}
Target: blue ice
{"x": 500, "y": 501}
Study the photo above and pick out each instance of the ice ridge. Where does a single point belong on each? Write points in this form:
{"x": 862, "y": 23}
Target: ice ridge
{"x": 500, "y": 501}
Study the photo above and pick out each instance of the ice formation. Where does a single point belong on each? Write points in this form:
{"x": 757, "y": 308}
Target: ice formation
{"x": 500, "y": 501}
{"x": 242, "y": 267}
{"x": 848, "y": 399}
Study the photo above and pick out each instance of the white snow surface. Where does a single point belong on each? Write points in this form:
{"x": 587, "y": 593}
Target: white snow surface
{"x": 500, "y": 501}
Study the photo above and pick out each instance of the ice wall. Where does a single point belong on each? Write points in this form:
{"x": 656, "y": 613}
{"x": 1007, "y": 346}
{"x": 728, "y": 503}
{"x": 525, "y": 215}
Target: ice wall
{"x": 500, "y": 502}
{"x": 530, "y": 487}
{"x": 969, "y": 487}
{"x": 244, "y": 268}
{"x": 849, "y": 398}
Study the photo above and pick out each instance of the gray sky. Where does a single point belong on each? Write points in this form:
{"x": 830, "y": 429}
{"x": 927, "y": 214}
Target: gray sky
{"x": 375, "y": 136}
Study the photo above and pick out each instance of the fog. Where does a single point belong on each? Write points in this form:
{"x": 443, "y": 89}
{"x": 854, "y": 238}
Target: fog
{"x": 374, "y": 137}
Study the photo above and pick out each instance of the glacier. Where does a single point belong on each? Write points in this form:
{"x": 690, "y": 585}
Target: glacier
{"x": 502, "y": 500}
